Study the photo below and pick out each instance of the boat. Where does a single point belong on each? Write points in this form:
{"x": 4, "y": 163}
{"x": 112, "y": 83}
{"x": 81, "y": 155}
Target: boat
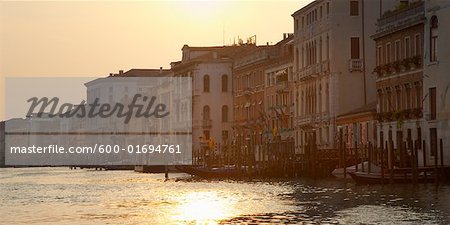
{"x": 339, "y": 172}
{"x": 397, "y": 177}
{"x": 210, "y": 172}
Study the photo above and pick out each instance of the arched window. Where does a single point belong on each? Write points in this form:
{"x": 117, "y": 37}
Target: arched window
{"x": 224, "y": 113}
{"x": 206, "y": 112}
{"x": 206, "y": 83}
{"x": 433, "y": 38}
{"x": 224, "y": 83}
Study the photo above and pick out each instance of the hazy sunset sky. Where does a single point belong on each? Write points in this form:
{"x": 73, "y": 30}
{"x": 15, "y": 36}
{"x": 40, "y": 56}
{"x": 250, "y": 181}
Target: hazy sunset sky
{"x": 95, "y": 38}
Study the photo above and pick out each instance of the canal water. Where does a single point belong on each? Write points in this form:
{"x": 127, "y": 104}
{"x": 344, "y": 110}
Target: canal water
{"x": 63, "y": 196}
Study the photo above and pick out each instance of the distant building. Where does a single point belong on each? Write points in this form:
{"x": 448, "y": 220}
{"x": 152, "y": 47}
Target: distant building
{"x": 333, "y": 57}
{"x": 2, "y": 144}
{"x": 436, "y": 80}
{"x": 399, "y": 74}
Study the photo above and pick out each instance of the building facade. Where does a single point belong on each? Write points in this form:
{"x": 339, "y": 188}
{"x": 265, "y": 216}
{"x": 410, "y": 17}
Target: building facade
{"x": 332, "y": 54}
{"x": 248, "y": 100}
{"x": 436, "y": 80}
{"x": 279, "y": 93}
{"x": 399, "y": 73}
{"x": 211, "y": 70}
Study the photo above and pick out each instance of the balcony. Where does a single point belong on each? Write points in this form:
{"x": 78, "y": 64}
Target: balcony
{"x": 400, "y": 66}
{"x": 355, "y": 65}
{"x": 310, "y": 71}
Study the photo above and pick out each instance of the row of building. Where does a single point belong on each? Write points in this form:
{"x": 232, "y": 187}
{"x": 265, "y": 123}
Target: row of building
{"x": 371, "y": 71}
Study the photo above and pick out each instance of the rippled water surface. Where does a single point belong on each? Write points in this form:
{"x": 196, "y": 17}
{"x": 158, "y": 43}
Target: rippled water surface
{"x": 63, "y": 196}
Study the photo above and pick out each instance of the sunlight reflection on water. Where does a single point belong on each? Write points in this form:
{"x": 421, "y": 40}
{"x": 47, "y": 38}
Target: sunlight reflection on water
{"x": 63, "y": 196}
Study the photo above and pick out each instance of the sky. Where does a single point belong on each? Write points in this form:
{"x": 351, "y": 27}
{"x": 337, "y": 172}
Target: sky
{"x": 92, "y": 39}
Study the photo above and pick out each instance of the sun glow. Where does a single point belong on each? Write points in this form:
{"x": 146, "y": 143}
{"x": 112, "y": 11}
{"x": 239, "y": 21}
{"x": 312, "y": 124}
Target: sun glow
{"x": 210, "y": 10}
{"x": 203, "y": 208}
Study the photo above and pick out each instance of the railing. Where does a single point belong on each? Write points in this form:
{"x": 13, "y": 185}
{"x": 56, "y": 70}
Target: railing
{"x": 310, "y": 71}
{"x": 355, "y": 65}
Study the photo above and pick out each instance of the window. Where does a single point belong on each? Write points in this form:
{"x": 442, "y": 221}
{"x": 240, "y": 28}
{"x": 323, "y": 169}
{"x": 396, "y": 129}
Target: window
{"x": 379, "y": 56}
{"x": 418, "y": 87}
{"x": 432, "y": 103}
{"x": 408, "y": 104}
{"x": 224, "y": 135}
{"x": 388, "y": 53}
{"x": 224, "y": 83}
{"x": 206, "y": 134}
{"x": 354, "y": 47}
{"x": 433, "y": 38}
{"x": 206, "y": 83}
{"x": 380, "y": 101}
{"x": 397, "y": 50}
{"x": 328, "y": 8}
{"x": 407, "y": 48}
{"x": 354, "y": 8}
{"x": 224, "y": 113}
{"x": 417, "y": 45}
{"x": 398, "y": 98}
{"x": 206, "y": 115}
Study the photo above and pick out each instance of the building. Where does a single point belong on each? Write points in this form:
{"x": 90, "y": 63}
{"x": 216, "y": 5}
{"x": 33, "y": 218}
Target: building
{"x": 279, "y": 91}
{"x": 211, "y": 70}
{"x": 2, "y": 143}
{"x": 249, "y": 100}
{"x": 399, "y": 74}
{"x": 332, "y": 56}
{"x": 436, "y": 80}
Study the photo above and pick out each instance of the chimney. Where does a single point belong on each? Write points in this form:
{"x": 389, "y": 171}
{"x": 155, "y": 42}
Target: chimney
{"x": 160, "y": 70}
{"x": 120, "y": 72}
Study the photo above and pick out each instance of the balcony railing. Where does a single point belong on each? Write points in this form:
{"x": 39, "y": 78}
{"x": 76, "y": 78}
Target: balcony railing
{"x": 355, "y": 65}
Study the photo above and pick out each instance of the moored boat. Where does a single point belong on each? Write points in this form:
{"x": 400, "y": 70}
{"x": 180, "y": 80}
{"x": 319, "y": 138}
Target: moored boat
{"x": 213, "y": 172}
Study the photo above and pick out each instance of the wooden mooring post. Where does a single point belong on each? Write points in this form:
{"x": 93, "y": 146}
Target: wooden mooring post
{"x": 424, "y": 152}
{"x": 436, "y": 171}
{"x": 356, "y": 156}
{"x": 369, "y": 156}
